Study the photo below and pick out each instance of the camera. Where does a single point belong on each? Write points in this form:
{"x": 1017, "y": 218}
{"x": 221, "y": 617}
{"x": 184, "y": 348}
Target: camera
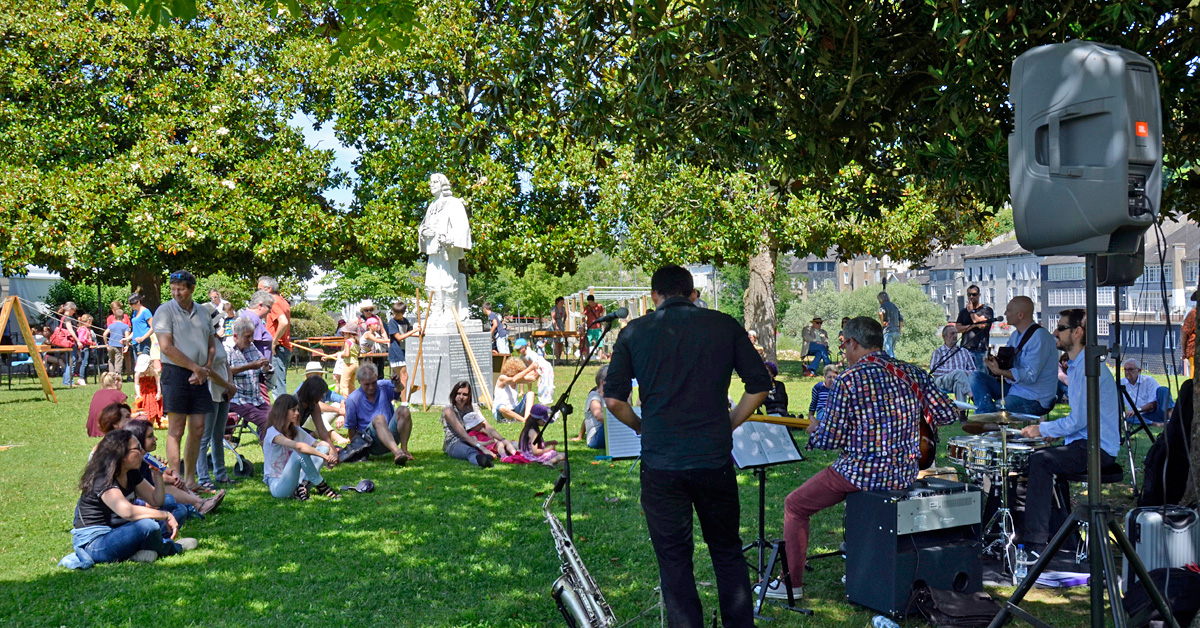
{"x": 1004, "y": 357}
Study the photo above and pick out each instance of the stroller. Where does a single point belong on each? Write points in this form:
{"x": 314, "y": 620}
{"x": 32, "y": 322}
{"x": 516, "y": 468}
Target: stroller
{"x": 235, "y": 428}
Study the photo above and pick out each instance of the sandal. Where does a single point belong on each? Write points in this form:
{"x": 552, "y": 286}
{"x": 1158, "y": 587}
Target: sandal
{"x": 211, "y": 503}
{"x": 401, "y": 459}
{"x": 325, "y": 490}
{"x": 206, "y": 488}
{"x": 301, "y": 493}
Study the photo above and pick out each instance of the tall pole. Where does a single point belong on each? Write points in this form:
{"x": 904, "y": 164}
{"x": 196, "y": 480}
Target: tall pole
{"x": 1096, "y": 537}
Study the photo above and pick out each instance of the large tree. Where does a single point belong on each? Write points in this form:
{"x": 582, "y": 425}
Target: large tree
{"x": 132, "y": 153}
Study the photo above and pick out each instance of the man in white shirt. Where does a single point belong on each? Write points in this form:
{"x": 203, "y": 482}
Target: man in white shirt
{"x": 1143, "y": 390}
{"x": 951, "y": 365}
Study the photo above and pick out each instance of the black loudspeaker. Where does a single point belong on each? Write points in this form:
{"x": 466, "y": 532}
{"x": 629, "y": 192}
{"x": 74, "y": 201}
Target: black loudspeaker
{"x": 1121, "y": 269}
{"x": 883, "y": 564}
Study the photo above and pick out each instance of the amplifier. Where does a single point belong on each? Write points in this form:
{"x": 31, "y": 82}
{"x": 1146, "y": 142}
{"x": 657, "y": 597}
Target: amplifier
{"x": 928, "y": 533}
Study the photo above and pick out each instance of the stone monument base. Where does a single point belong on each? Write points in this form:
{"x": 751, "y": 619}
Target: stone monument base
{"x": 445, "y": 363}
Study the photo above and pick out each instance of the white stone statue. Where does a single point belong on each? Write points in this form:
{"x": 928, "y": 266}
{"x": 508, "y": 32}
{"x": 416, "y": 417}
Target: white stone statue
{"x": 444, "y": 234}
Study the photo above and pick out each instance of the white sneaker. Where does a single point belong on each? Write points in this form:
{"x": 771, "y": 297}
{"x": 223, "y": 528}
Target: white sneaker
{"x": 144, "y": 556}
{"x": 776, "y": 591}
{"x": 81, "y": 382}
{"x": 188, "y": 543}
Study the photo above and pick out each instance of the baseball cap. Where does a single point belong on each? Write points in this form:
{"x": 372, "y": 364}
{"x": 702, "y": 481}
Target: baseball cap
{"x": 521, "y": 342}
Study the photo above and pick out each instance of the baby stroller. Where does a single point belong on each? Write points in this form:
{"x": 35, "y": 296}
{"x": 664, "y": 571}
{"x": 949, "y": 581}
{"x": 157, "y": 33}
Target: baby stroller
{"x": 235, "y": 429}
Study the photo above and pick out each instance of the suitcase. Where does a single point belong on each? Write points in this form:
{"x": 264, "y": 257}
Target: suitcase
{"x": 1162, "y": 536}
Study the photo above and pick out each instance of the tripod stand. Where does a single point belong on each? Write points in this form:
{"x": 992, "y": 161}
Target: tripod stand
{"x": 1002, "y": 519}
{"x": 1097, "y": 515}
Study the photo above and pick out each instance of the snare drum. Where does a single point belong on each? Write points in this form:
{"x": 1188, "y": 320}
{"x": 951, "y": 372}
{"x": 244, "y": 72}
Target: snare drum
{"x": 958, "y": 446}
{"x": 983, "y": 455}
{"x": 1018, "y": 458}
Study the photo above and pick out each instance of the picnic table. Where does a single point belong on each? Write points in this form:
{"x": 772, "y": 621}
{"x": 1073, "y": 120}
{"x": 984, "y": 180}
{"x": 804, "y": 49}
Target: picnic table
{"x": 21, "y": 350}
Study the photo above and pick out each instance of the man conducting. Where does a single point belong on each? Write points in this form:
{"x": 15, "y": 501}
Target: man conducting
{"x": 1071, "y": 456}
{"x": 1031, "y": 383}
{"x": 872, "y": 416}
{"x": 683, "y": 357}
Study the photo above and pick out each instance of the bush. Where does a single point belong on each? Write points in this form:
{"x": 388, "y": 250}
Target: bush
{"x": 84, "y": 296}
{"x": 308, "y": 320}
{"x": 923, "y": 320}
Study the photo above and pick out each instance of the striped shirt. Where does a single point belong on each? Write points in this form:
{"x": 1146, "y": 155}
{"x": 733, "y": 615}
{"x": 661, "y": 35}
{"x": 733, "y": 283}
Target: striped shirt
{"x": 872, "y": 417}
{"x": 820, "y": 399}
{"x": 960, "y": 360}
{"x": 245, "y": 383}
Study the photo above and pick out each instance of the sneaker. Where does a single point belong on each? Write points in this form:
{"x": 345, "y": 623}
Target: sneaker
{"x": 776, "y": 591}
{"x": 144, "y": 556}
{"x": 81, "y": 382}
{"x": 188, "y": 544}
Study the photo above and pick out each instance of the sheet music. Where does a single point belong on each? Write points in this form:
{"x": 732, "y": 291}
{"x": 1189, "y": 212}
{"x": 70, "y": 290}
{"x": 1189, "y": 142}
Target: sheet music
{"x": 619, "y": 439}
{"x": 759, "y": 444}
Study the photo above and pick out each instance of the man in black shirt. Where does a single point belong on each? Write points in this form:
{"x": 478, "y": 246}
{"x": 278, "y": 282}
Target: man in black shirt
{"x": 683, "y": 358}
{"x": 975, "y": 334}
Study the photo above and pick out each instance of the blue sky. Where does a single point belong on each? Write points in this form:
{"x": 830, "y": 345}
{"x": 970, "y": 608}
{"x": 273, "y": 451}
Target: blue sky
{"x": 345, "y": 155}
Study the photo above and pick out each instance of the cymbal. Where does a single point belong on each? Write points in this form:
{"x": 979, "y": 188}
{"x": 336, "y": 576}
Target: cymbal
{"x": 1003, "y": 417}
{"x": 977, "y": 429}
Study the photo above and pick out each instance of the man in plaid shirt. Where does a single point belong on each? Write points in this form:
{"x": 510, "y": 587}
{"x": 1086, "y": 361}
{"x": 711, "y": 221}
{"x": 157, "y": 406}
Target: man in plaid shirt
{"x": 872, "y": 417}
{"x": 246, "y": 362}
{"x": 951, "y": 365}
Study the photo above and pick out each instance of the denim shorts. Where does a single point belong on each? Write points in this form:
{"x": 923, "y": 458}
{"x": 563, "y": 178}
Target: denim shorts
{"x": 180, "y": 396}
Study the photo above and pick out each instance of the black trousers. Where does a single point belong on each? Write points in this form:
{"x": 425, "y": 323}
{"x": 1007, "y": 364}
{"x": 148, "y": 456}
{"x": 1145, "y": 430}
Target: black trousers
{"x": 1044, "y": 464}
{"x": 668, "y": 498}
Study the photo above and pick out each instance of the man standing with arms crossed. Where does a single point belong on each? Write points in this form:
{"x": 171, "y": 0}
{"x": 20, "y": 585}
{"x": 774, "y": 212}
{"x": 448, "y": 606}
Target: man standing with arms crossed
{"x": 972, "y": 324}
{"x": 683, "y": 357}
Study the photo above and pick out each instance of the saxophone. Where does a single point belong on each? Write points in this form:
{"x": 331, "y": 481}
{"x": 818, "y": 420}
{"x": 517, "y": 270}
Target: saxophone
{"x": 575, "y": 592}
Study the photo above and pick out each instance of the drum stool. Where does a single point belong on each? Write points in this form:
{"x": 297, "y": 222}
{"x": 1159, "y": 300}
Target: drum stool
{"x": 1109, "y": 474}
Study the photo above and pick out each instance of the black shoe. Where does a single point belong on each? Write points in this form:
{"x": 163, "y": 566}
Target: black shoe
{"x": 324, "y": 489}
{"x": 301, "y": 493}
{"x": 485, "y": 461}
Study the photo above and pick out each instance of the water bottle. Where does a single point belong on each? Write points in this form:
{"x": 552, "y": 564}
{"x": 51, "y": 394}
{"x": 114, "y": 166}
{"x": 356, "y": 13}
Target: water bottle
{"x": 880, "y": 621}
{"x": 1022, "y": 567}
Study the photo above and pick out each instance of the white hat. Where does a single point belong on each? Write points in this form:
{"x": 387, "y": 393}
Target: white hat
{"x": 313, "y": 367}
{"x": 142, "y": 364}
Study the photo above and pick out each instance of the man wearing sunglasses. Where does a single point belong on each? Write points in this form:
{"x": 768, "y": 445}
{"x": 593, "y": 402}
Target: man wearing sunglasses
{"x": 1071, "y": 456}
{"x": 976, "y": 335}
{"x": 1030, "y": 384}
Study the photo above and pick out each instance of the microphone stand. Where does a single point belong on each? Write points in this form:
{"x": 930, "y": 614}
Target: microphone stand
{"x": 565, "y": 409}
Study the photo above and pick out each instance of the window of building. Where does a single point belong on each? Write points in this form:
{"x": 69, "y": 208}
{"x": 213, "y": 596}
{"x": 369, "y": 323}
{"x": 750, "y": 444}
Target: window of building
{"x": 1106, "y": 296}
{"x": 1191, "y": 272}
{"x": 1066, "y": 297}
{"x": 846, "y": 277}
{"x": 1065, "y": 272}
{"x": 1102, "y": 326}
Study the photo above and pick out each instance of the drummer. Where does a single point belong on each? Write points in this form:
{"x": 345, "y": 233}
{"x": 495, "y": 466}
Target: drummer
{"x": 1071, "y": 456}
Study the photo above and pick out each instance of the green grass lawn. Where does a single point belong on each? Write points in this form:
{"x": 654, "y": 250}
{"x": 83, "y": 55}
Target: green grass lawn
{"x": 440, "y": 542}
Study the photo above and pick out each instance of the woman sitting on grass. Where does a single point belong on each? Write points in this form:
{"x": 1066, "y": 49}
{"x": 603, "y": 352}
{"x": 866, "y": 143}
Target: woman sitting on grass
{"x": 109, "y": 527}
{"x": 289, "y": 451}
{"x": 533, "y": 446}
{"x": 464, "y": 428}
{"x": 176, "y": 493}
{"x": 511, "y": 406}
{"x": 820, "y": 393}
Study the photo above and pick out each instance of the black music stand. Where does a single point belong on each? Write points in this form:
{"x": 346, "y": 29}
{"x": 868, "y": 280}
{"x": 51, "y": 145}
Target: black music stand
{"x": 759, "y": 445}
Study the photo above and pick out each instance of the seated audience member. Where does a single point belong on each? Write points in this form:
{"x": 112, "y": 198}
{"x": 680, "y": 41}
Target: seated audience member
{"x": 777, "y": 399}
{"x": 316, "y": 413}
{"x": 511, "y": 406}
{"x": 1032, "y": 382}
{"x": 816, "y": 343}
{"x": 545, "y": 370}
{"x": 952, "y": 366}
{"x": 1063, "y": 380}
{"x": 1071, "y": 456}
{"x": 109, "y": 394}
{"x": 116, "y": 339}
{"x": 177, "y": 494}
{"x": 533, "y": 446}
{"x": 594, "y": 413}
{"x": 370, "y": 410}
{"x": 259, "y": 307}
{"x": 149, "y": 392}
{"x": 1144, "y": 392}
{"x": 820, "y": 393}
{"x": 108, "y": 526}
{"x": 458, "y": 443}
{"x": 245, "y": 364}
{"x": 754, "y": 341}
{"x": 289, "y": 451}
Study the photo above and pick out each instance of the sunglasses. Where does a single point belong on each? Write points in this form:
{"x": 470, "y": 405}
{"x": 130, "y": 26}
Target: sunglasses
{"x": 1062, "y": 328}
{"x": 972, "y": 294}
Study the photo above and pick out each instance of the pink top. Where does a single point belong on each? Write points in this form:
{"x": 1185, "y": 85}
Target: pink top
{"x": 85, "y": 336}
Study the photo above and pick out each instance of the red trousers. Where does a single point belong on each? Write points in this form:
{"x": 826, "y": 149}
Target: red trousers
{"x": 826, "y": 488}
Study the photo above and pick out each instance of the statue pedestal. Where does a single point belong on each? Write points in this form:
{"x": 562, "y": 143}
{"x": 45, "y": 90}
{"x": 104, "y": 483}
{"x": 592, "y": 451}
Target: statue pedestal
{"x": 445, "y": 362}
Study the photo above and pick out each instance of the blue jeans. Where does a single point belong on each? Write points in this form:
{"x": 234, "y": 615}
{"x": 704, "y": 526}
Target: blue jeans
{"x": 595, "y": 440}
{"x": 124, "y": 541}
{"x": 463, "y": 451}
{"x": 141, "y": 348}
{"x": 986, "y": 390}
{"x": 69, "y": 369}
{"x": 820, "y": 355}
{"x": 279, "y": 363}
{"x": 214, "y": 437}
{"x": 286, "y": 483}
{"x": 84, "y": 356}
{"x": 889, "y": 343}
{"x": 978, "y": 356}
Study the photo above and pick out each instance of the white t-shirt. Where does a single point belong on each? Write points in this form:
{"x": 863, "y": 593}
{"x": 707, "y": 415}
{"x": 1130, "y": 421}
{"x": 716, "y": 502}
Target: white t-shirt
{"x": 505, "y": 395}
{"x": 545, "y": 386}
{"x": 275, "y": 456}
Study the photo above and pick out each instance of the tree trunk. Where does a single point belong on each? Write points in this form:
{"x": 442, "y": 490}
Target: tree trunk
{"x": 759, "y": 300}
{"x": 148, "y": 284}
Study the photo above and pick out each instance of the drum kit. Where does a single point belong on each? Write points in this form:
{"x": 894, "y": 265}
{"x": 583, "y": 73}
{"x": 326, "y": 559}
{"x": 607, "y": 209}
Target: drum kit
{"x": 995, "y": 449}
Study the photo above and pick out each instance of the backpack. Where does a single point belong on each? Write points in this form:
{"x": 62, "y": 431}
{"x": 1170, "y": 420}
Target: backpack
{"x": 953, "y": 609}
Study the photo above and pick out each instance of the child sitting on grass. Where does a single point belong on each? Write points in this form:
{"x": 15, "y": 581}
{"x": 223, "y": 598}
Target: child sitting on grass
{"x": 289, "y": 451}
{"x": 531, "y": 443}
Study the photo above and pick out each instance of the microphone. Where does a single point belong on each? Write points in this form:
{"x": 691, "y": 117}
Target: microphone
{"x": 994, "y": 319}
{"x": 621, "y": 312}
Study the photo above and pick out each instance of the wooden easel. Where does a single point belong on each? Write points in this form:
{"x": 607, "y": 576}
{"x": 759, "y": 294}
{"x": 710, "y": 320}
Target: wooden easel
{"x": 484, "y": 395}
{"x": 13, "y": 303}
{"x": 421, "y": 350}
